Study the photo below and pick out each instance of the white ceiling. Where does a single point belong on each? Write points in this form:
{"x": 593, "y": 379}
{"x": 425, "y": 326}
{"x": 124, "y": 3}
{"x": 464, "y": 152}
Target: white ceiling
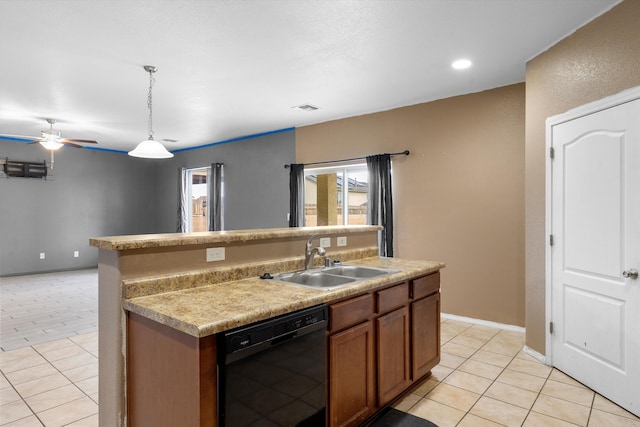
{"x": 232, "y": 68}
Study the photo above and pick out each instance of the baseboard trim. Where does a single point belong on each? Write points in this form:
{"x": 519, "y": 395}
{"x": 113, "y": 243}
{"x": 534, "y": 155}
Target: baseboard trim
{"x": 483, "y": 322}
{"x": 538, "y": 356}
{"x": 531, "y": 352}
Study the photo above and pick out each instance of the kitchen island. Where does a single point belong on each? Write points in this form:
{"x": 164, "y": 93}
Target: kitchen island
{"x": 162, "y": 305}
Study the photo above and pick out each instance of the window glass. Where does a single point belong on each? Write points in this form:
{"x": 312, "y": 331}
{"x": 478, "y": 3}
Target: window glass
{"x": 198, "y": 194}
{"x": 327, "y": 192}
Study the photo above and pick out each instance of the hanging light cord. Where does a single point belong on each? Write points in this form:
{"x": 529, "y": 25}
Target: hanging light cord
{"x": 150, "y": 103}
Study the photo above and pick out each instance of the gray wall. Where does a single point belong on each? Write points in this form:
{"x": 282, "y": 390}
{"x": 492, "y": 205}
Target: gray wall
{"x": 97, "y": 193}
{"x": 256, "y": 184}
{"x": 89, "y": 193}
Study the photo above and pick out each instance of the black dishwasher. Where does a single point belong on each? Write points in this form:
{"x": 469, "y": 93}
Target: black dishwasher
{"x": 273, "y": 373}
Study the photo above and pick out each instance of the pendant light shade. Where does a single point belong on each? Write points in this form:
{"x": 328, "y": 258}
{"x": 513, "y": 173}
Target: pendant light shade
{"x": 150, "y": 149}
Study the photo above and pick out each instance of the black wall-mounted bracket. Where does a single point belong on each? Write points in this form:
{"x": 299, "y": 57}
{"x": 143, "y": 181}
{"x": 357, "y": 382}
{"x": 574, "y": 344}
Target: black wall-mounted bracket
{"x": 13, "y": 168}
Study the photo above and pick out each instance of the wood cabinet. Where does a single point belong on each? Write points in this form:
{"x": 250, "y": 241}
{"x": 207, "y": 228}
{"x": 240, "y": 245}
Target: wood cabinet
{"x": 425, "y": 333}
{"x": 351, "y": 361}
{"x": 378, "y": 345}
{"x": 393, "y": 354}
{"x": 425, "y": 324}
{"x": 392, "y": 342}
{"x": 402, "y": 323}
{"x": 351, "y": 380}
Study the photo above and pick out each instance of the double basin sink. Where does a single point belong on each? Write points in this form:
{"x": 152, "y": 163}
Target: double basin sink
{"x": 332, "y": 277}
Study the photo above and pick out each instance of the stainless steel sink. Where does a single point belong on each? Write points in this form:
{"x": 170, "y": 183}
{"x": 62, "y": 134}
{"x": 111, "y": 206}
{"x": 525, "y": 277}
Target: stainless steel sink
{"x": 332, "y": 277}
{"x": 357, "y": 271}
{"x": 314, "y": 279}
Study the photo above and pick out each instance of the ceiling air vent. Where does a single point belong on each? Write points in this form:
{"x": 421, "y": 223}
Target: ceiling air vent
{"x": 305, "y": 107}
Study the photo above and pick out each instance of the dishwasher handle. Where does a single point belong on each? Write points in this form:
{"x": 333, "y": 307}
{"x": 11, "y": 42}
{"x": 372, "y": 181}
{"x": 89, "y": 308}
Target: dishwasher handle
{"x": 284, "y": 338}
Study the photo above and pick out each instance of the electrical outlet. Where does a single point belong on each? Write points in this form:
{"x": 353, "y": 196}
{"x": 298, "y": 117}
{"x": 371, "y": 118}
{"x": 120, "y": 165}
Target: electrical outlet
{"x": 342, "y": 241}
{"x": 215, "y": 254}
{"x": 325, "y": 242}
{"x": 41, "y": 255}
{"x": 76, "y": 254}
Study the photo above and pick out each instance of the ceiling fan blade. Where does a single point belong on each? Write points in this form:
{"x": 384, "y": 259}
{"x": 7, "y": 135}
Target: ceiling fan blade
{"x": 66, "y": 142}
{"x": 85, "y": 141}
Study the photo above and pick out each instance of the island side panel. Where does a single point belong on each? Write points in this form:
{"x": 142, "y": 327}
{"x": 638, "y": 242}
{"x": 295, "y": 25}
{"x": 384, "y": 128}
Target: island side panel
{"x": 171, "y": 376}
{"x": 111, "y": 350}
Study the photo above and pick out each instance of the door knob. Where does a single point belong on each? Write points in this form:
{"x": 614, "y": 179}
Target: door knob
{"x": 630, "y": 274}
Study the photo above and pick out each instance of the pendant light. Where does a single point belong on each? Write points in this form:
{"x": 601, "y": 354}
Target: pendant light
{"x": 150, "y": 149}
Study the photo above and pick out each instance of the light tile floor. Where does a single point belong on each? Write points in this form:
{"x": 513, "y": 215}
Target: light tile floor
{"x": 40, "y": 308}
{"x": 484, "y": 378}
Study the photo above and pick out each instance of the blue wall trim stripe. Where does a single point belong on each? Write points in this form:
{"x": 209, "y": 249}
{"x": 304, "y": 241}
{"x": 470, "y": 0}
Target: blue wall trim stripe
{"x": 108, "y": 150}
{"x": 11, "y": 138}
{"x": 240, "y": 138}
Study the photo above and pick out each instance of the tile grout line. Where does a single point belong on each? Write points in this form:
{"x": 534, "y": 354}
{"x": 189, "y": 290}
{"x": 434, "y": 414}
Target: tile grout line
{"x": 538, "y": 396}
{"x": 514, "y": 357}
{"x": 492, "y": 381}
{"x": 84, "y": 394}
{"x": 23, "y": 401}
{"x": 547, "y": 378}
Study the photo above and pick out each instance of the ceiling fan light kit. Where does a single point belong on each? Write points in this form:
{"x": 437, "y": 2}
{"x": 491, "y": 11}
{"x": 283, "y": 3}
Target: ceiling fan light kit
{"x": 149, "y": 148}
{"x": 50, "y": 144}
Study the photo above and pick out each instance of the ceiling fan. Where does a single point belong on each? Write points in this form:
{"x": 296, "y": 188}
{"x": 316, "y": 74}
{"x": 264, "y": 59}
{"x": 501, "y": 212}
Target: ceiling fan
{"x": 52, "y": 140}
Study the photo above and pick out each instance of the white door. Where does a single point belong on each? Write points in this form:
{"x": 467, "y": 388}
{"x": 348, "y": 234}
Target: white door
{"x": 595, "y": 224}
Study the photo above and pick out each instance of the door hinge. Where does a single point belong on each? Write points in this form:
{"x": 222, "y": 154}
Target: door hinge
{"x": 550, "y": 327}
{"x": 552, "y": 152}
{"x": 551, "y": 239}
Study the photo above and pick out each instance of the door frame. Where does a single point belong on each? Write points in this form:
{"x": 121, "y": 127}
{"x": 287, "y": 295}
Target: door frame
{"x": 581, "y": 111}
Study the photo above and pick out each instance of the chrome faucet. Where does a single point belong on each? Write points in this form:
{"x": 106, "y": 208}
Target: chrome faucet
{"x": 310, "y": 251}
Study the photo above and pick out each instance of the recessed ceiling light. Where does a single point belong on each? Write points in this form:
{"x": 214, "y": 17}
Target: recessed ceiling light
{"x": 461, "y": 64}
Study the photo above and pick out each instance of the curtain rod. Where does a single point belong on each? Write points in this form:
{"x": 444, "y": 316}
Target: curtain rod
{"x": 404, "y": 153}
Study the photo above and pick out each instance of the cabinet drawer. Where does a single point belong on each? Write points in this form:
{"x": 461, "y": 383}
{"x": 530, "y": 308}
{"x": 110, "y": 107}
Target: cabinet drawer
{"x": 392, "y": 298}
{"x": 350, "y": 312}
{"x": 426, "y": 285}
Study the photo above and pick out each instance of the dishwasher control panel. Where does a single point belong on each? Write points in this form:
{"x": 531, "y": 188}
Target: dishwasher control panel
{"x": 274, "y": 330}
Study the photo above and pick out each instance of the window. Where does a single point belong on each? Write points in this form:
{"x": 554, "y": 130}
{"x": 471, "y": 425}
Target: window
{"x": 327, "y": 192}
{"x": 198, "y": 194}
{"x": 196, "y": 211}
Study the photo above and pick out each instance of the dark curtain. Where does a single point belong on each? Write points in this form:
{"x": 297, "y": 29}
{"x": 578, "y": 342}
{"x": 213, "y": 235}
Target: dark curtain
{"x": 182, "y": 222}
{"x": 215, "y": 197}
{"x": 379, "y": 200}
{"x": 296, "y": 195}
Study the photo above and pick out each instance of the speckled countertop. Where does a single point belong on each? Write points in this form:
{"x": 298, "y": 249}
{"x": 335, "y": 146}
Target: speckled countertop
{"x": 141, "y": 241}
{"x": 209, "y": 309}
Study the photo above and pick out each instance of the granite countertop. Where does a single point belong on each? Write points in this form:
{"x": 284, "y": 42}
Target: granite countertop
{"x": 143, "y": 241}
{"x": 210, "y": 309}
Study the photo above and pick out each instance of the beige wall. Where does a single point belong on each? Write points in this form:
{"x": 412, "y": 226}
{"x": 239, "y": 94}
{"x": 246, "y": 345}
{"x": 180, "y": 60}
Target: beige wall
{"x": 459, "y": 196}
{"x": 600, "y": 59}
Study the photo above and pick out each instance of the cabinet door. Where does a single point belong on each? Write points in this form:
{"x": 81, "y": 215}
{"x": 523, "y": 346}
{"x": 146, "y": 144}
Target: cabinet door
{"x": 425, "y": 318}
{"x": 393, "y": 354}
{"x": 351, "y": 375}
